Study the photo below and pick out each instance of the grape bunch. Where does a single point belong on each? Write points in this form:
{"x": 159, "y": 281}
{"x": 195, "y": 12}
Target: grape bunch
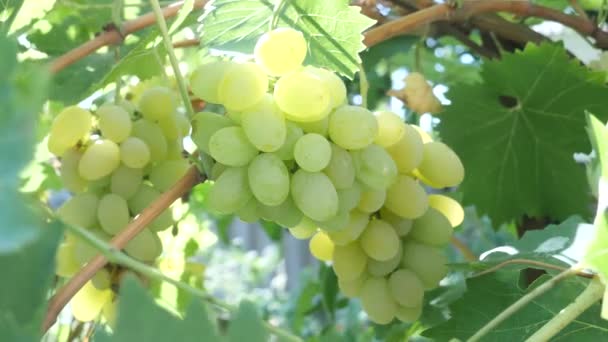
{"x": 350, "y": 180}
{"x": 115, "y": 162}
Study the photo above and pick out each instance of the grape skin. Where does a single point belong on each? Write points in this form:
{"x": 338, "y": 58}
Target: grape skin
{"x": 114, "y": 122}
{"x": 268, "y": 179}
{"x": 380, "y": 241}
{"x": 321, "y": 246}
{"x": 280, "y": 51}
{"x": 134, "y": 153}
{"x": 70, "y": 126}
{"x": 314, "y": 194}
{"x": 449, "y": 207}
{"x": 312, "y": 152}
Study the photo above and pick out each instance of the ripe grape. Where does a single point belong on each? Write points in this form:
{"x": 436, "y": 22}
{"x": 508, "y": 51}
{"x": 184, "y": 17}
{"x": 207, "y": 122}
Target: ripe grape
{"x": 242, "y": 86}
{"x": 380, "y": 241}
{"x": 230, "y": 191}
{"x": 371, "y": 200}
{"x": 113, "y": 213}
{"x": 352, "y": 289}
{"x": 427, "y": 262}
{"x": 408, "y": 315}
{"x": 314, "y": 195}
{"x": 65, "y": 261}
{"x": 249, "y": 212}
{"x": 340, "y": 169}
{"x": 338, "y": 222}
{"x": 80, "y": 210}
{"x": 426, "y": 137}
{"x": 303, "y": 97}
{"x": 349, "y": 261}
{"x": 379, "y": 268}
{"x": 101, "y": 279}
{"x": 440, "y": 166}
{"x": 349, "y": 198}
{"x": 230, "y": 146}
{"x": 407, "y": 152}
{"x": 374, "y": 167}
{"x": 99, "y": 160}
{"x": 312, "y": 152}
{"x": 134, "y": 153}
{"x": 157, "y": 103}
{"x": 391, "y": 129}
{"x": 168, "y": 125}
{"x": 285, "y": 214}
{"x": 205, "y": 80}
{"x": 352, "y": 127}
{"x": 401, "y": 225}
{"x": 204, "y": 125}
{"x": 125, "y": 181}
{"x": 114, "y": 122}
{"x": 145, "y": 246}
{"x": 70, "y": 126}
{"x": 69, "y": 171}
{"x": 406, "y": 288}
{"x": 165, "y": 174}
{"x": 294, "y": 132}
{"x": 303, "y": 230}
{"x": 449, "y": 207}
{"x": 377, "y": 301}
{"x": 264, "y": 125}
{"x": 268, "y": 179}
{"x": 88, "y": 302}
{"x": 321, "y": 246}
{"x": 151, "y": 134}
{"x": 280, "y": 51}
{"x": 356, "y": 225}
{"x": 432, "y": 228}
{"x": 406, "y": 198}
{"x": 337, "y": 89}
{"x": 320, "y": 127}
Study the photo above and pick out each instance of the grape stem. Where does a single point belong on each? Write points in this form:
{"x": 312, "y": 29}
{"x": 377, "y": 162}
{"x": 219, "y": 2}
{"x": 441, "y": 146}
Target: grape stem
{"x": 532, "y": 263}
{"x": 363, "y": 85}
{"x": 65, "y": 293}
{"x": 114, "y": 255}
{"x": 181, "y": 82}
{"x": 278, "y": 8}
{"x": 466, "y": 252}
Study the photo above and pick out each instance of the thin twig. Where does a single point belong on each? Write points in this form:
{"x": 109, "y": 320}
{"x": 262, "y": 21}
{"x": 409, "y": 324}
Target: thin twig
{"x": 63, "y": 295}
{"x": 186, "y": 43}
{"x": 466, "y": 252}
{"x": 532, "y": 263}
{"x": 363, "y": 85}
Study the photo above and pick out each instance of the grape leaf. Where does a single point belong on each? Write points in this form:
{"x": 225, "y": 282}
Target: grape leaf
{"x": 247, "y": 325}
{"x": 332, "y": 28}
{"x": 517, "y": 131}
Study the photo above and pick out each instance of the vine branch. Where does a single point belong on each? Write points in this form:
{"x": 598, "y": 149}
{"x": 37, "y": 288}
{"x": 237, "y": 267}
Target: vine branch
{"x": 532, "y": 263}
{"x": 64, "y": 294}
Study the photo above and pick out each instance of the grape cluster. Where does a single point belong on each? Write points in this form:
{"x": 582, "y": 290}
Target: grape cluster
{"x": 349, "y": 179}
{"x": 116, "y": 162}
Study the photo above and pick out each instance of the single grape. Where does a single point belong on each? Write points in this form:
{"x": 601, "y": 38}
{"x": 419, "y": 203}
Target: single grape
{"x": 406, "y": 288}
{"x": 65, "y": 261}
{"x": 314, "y": 195}
{"x": 68, "y": 172}
{"x": 407, "y": 152}
{"x": 321, "y": 246}
{"x": 340, "y": 169}
{"x": 80, "y": 210}
{"x": 125, "y": 181}
{"x": 157, "y": 103}
{"x": 319, "y": 127}
{"x": 205, "y": 80}
{"x": 70, "y": 126}
{"x": 268, "y": 179}
{"x": 230, "y": 192}
{"x": 432, "y": 228}
{"x": 377, "y": 301}
{"x": 242, "y": 86}
{"x": 429, "y": 263}
{"x": 440, "y": 166}
{"x": 449, "y": 207}
{"x": 371, "y": 200}
{"x": 151, "y": 134}
{"x": 349, "y": 261}
{"x": 303, "y": 97}
{"x": 374, "y": 167}
{"x": 113, "y": 213}
{"x": 168, "y": 125}
{"x": 349, "y": 198}
{"x": 294, "y": 132}
{"x": 391, "y": 128}
{"x": 425, "y": 136}
{"x": 280, "y": 51}
{"x": 102, "y": 279}
{"x": 379, "y": 268}
{"x": 183, "y": 124}
{"x": 380, "y": 241}
{"x": 338, "y": 222}
{"x": 249, "y": 212}
{"x": 231, "y": 147}
{"x": 356, "y": 225}
{"x": 352, "y": 127}
{"x": 303, "y": 230}
{"x": 285, "y": 214}
{"x": 264, "y": 125}
{"x": 134, "y": 153}
{"x": 99, "y": 160}
{"x": 114, "y": 122}
{"x": 109, "y": 313}
{"x": 204, "y": 125}
{"x": 87, "y": 303}
{"x": 408, "y": 315}
{"x": 401, "y": 225}
{"x": 312, "y": 152}
{"x": 352, "y": 289}
{"x": 166, "y": 173}
{"x": 145, "y": 246}
{"x": 406, "y": 198}
{"x": 337, "y": 89}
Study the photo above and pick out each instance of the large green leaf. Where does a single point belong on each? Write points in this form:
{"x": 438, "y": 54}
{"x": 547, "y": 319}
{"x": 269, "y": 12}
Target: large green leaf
{"x": 517, "y": 131}
{"x": 332, "y": 28}
{"x": 247, "y": 325}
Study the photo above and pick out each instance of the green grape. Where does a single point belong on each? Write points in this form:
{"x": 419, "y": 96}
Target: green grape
{"x": 69, "y": 126}
{"x": 352, "y": 289}
{"x": 230, "y": 146}
{"x": 101, "y": 279}
{"x": 407, "y": 152}
{"x": 401, "y": 225}
{"x": 449, "y": 207}
{"x": 80, "y": 210}
{"x": 84, "y": 252}
{"x": 230, "y": 192}
{"x": 303, "y": 97}
{"x": 320, "y": 127}
{"x": 204, "y": 125}
{"x": 151, "y": 134}
{"x": 406, "y": 198}
{"x": 168, "y": 125}
{"x": 338, "y": 222}
{"x": 280, "y": 51}
{"x": 249, "y": 212}
{"x": 128, "y": 106}
{"x": 312, "y": 152}
{"x": 304, "y": 230}
{"x": 371, "y": 200}
{"x": 352, "y": 127}
{"x": 377, "y": 301}
{"x": 425, "y": 136}
{"x": 99, "y": 160}
{"x": 144, "y": 196}
{"x": 183, "y": 124}
{"x": 109, "y": 313}
{"x": 380, "y": 241}
{"x": 340, "y": 169}
{"x": 374, "y": 167}
{"x": 157, "y": 103}
{"x": 294, "y": 132}
{"x": 114, "y": 122}
{"x": 356, "y": 225}
{"x": 216, "y": 170}
{"x": 349, "y": 261}
{"x": 268, "y": 179}
{"x": 337, "y": 89}
{"x": 134, "y": 153}
{"x": 87, "y": 303}
{"x": 285, "y": 214}
{"x": 206, "y": 79}
{"x": 237, "y": 117}
{"x": 314, "y": 195}
{"x": 264, "y": 125}
{"x": 391, "y": 129}
{"x": 113, "y": 213}
{"x": 69, "y": 171}
{"x": 100, "y": 186}
{"x": 166, "y": 173}
{"x": 65, "y": 261}
{"x": 125, "y": 181}
{"x": 406, "y": 288}
{"x": 408, "y": 315}
{"x": 175, "y": 150}
{"x": 440, "y": 166}
{"x": 145, "y": 246}
{"x": 381, "y": 268}
{"x": 432, "y": 228}
{"x": 429, "y": 263}
{"x": 349, "y": 198}
{"x": 321, "y": 246}
{"x": 242, "y": 86}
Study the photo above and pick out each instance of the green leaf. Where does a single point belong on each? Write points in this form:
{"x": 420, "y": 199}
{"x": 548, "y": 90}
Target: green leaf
{"x": 73, "y": 84}
{"x": 247, "y": 325}
{"x": 518, "y": 130}
{"x": 329, "y": 290}
{"x": 182, "y": 14}
{"x": 332, "y": 28}
{"x": 489, "y": 295}
{"x": 8, "y": 12}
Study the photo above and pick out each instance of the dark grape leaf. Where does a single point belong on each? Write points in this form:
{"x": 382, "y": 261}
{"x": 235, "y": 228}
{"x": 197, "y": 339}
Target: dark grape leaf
{"x": 517, "y": 131}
